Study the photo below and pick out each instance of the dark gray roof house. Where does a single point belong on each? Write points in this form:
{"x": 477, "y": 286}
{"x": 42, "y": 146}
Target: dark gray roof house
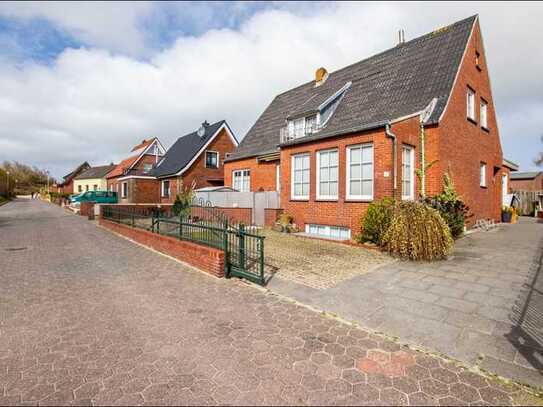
{"x": 187, "y": 148}
{"x": 525, "y": 175}
{"x": 96, "y": 172}
{"x": 393, "y": 84}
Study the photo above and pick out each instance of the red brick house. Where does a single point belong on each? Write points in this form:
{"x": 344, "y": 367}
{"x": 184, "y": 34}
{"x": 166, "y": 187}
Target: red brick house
{"x": 67, "y": 185}
{"x": 131, "y": 178}
{"x": 195, "y": 159}
{"x": 527, "y": 181}
{"x": 336, "y": 143}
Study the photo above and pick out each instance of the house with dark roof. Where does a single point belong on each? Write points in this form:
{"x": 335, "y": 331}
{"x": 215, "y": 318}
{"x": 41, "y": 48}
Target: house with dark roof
{"x": 527, "y": 181}
{"x": 131, "y": 178}
{"x": 334, "y": 144}
{"x": 195, "y": 160}
{"x": 93, "y": 179}
{"x": 67, "y": 185}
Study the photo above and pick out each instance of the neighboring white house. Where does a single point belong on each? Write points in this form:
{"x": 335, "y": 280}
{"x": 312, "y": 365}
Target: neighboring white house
{"x": 93, "y": 179}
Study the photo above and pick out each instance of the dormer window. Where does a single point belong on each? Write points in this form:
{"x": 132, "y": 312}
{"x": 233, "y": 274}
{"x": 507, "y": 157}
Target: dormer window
{"x": 314, "y": 119}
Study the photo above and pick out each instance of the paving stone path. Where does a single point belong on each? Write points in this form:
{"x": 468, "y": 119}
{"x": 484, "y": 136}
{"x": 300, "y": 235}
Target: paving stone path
{"x": 87, "y": 317}
{"x": 483, "y": 306}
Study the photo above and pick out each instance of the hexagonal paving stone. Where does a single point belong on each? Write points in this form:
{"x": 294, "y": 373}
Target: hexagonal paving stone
{"x": 405, "y": 385}
{"x": 494, "y": 396}
{"x": 356, "y": 352}
{"x": 465, "y": 392}
{"x": 226, "y": 394}
{"x": 353, "y": 376}
{"x": 156, "y": 392}
{"x": 451, "y": 401}
{"x": 343, "y": 361}
{"x": 313, "y": 382}
{"x": 320, "y": 358}
{"x": 421, "y": 399}
{"x": 334, "y": 349}
{"x": 294, "y": 395}
{"x": 379, "y": 380}
{"x": 378, "y": 356}
{"x": 444, "y": 375}
{"x": 434, "y": 387}
{"x": 305, "y": 367}
{"x": 417, "y": 372}
{"x": 365, "y": 392}
{"x": 394, "y": 397}
{"x": 427, "y": 361}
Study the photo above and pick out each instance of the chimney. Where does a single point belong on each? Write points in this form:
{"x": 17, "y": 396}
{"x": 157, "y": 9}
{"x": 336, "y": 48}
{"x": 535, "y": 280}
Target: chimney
{"x": 205, "y": 123}
{"x": 401, "y": 36}
{"x": 320, "y": 76}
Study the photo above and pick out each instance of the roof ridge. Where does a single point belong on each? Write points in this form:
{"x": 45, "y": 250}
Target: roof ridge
{"x": 439, "y": 30}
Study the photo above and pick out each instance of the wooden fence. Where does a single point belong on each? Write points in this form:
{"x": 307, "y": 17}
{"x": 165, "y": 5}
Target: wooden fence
{"x": 528, "y": 201}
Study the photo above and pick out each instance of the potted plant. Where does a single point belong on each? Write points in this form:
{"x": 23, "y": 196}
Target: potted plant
{"x": 507, "y": 214}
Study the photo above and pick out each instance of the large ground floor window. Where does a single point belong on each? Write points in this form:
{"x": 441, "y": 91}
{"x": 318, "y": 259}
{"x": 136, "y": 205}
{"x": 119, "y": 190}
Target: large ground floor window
{"x": 241, "y": 180}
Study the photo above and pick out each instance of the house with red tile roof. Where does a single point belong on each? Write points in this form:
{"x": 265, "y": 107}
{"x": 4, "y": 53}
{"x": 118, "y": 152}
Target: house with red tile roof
{"x": 131, "y": 178}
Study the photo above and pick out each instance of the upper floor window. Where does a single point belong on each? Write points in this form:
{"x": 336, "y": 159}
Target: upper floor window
{"x": 482, "y": 175}
{"x": 166, "y": 189}
{"x": 147, "y": 167}
{"x": 471, "y": 104}
{"x": 241, "y": 180}
{"x": 478, "y": 60}
{"x": 212, "y": 159}
{"x": 408, "y": 172}
{"x": 300, "y": 176}
{"x": 483, "y": 114}
{"x": 327, "y": 174}
{"x": 360, "y": 172}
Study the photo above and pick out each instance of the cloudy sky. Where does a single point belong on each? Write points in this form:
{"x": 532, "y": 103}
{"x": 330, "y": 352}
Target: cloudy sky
{"x": 87, "y": 81}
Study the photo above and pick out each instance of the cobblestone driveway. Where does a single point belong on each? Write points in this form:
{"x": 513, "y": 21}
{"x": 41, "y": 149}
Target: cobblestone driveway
{"x": 87, "y": 317}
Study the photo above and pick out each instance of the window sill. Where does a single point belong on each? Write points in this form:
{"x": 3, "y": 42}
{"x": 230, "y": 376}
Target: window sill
{"x": 485, "y": 129}
{"x": 358, "y": 200}
{"x": 479, "y": 68}
{"x": 472, "y": 120}
{"x": 299, "y": 199}
{"x": 325, "y": 199}
{"x": 483, "y": 186}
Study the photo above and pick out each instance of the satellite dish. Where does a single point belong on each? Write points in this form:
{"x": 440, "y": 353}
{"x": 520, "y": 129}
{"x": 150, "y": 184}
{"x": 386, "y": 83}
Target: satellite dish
{"x": 201, "y": 131}
{"x": 427, "y": 112}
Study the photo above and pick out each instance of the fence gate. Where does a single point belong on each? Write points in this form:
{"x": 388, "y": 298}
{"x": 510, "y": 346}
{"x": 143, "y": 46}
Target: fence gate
{"x": 244, "y": 255}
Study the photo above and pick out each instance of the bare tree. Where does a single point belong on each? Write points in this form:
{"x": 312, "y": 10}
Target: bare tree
{"x": 539, "y": 159}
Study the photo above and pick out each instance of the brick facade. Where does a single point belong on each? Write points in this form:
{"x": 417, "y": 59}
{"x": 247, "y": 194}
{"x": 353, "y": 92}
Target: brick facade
{"x": 263, "y": 174}
{"x": 457, "y": 145}
{"x": 271, "y": 215}
{"x": 535, "y": 184}
{"x": 205, "y": 258}
{"x": 198, "y": 172}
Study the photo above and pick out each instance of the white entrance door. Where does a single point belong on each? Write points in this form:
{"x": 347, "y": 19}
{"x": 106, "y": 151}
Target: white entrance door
{"x": 504, "y": 188}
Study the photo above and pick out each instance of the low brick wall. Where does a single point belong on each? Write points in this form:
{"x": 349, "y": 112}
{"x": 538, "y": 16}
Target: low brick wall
{"x": 205, "y": 258}
{"x": 271, "y": 215}
{"x": 85, "y": 208}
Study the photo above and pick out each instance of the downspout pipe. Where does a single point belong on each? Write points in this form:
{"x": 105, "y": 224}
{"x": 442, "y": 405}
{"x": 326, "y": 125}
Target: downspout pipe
{"x": 392, "y": 136}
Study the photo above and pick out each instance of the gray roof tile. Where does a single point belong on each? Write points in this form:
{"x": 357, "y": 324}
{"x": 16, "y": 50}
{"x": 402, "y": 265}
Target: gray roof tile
{"x": 96, "y": 172}
{"x": 183, "y": 151}
{"x": 395, "y": 83}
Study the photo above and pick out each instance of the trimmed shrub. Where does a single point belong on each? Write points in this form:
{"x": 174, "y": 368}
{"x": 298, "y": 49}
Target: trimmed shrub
{"x": 450, "y": 207}
{"x": 417, "y": 232}
{"x": 376, "y": 221}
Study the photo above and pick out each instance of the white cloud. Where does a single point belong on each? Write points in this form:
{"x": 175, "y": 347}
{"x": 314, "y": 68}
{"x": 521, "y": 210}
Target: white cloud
{"x": 94, "y": 105}
{"x": 114, "y": 25}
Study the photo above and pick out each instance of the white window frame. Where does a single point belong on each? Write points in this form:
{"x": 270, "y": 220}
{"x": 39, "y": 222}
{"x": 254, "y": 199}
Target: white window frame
{"x": 350, "y": 196}
{"x": 212, "y": 152}
{"x": 124, "y": 194}
{"x": 411, "y": 194}
{"x": 318, "y": 169}
{"x": 145, "y": 166}
{"x": 470, "y": 103}
{"x": 482, "y": 174}
{"x": 278, "y": 177}
{"x": 292, "y": 177}
{"x": 483, "y": 114}
{"x": 244, "y": 179}
{"x": 163, "y": 189}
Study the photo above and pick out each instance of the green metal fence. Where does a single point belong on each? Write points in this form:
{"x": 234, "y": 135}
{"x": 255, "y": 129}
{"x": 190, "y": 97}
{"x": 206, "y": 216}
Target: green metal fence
{"x": 202, "y": 224}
